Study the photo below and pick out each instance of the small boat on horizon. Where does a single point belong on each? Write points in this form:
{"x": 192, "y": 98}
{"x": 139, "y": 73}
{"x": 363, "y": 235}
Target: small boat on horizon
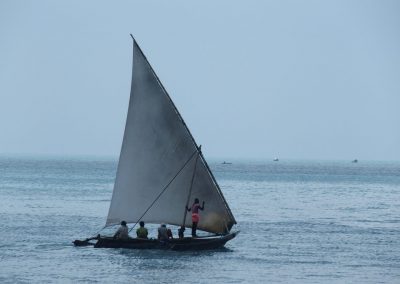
{"x": 355, "y": 161}
{"x": 276, "y": 160}
{"x": 226, "y": 163}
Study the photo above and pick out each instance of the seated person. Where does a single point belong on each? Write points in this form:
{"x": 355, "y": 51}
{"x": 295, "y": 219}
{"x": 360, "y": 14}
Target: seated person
{"x": 162, "y": 233}
{"x": 142, "y": 232}
{"x": 169, "y": 233}
{"x": 181, "y": 232}
{"x": 122, "y": 232}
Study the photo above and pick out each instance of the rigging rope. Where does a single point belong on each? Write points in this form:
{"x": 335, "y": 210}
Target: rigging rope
{"x": 164, "y": 189}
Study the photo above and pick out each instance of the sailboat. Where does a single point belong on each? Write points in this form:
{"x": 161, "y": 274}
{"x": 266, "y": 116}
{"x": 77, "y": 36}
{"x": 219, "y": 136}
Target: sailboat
{"x": 161, "y": 170}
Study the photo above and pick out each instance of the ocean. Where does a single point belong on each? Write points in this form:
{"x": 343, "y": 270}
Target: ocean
{"x": 300, "y": 222}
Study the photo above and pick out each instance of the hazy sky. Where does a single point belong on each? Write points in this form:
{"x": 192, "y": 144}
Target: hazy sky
{"x": 252, "y": 79}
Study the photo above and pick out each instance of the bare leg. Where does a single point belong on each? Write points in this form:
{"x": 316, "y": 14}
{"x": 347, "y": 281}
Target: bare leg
{"x": 194, "y": 228}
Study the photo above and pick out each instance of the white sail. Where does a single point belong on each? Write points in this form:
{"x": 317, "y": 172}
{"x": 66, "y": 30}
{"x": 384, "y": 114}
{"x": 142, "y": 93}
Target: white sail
{"x": 157, "y": 162}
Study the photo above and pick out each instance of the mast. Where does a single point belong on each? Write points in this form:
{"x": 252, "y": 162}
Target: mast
{"x": 191, "y": 186}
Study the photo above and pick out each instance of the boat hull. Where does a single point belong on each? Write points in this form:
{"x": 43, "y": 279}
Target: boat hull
{"x": 188, "y": 243}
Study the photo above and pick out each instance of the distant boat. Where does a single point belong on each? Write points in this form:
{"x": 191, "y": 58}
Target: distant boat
{"x": 275, "y": 159}
{"x": 355, "y": 161}
{"x": 161, "y": 170}
{"x": 226, "y": 163}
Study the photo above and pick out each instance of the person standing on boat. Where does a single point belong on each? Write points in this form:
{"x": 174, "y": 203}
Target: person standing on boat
{"x": 122, "y": 232}
{"x": 142, "y": 232}
{"x": 195, "y": 214}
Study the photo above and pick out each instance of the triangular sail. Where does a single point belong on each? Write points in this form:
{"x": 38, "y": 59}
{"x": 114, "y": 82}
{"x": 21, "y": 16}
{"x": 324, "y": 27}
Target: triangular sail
{"x": 157, "y": 146}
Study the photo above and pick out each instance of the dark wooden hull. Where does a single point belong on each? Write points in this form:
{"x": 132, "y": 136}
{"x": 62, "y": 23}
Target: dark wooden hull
{"x": 188, "y": 243}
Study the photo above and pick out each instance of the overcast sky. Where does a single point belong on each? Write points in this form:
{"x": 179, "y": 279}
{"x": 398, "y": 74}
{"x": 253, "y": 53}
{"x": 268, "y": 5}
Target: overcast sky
{"x": 252, "y": 79}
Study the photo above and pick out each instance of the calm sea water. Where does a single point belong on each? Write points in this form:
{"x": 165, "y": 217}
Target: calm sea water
{"x": 300, "y": 222}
